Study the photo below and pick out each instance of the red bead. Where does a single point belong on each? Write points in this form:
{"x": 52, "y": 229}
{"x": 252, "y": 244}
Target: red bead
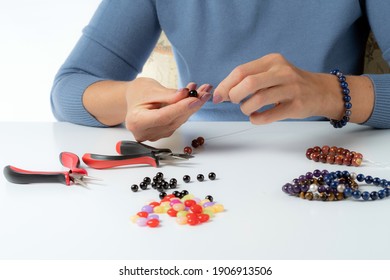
{"x": 189, "y": 202}
{"x": 143, "y": 214}
{"x": 187, "y": 150}
{"x": 339, "y": 159}
{"x": 193, "y": 221}
{"x": 309, "y": 152}
{"x": 172, "y": 212}
{"x": 356, "y": 162}
{"x": 196, "y": 208}
{"x": 315, "y": 156}
{"x": 200, "y": 140}
{"x": 153, "y": 223}
{"x": 203, "y": 218}
{"x": 154, "y": 204}
{"x": 317, "y": 149}
{"x": 330, "y": 159}
{"x": 325, "y": 150}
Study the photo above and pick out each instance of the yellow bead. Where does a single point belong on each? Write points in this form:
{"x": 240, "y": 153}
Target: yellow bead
{"x": 210, "y": 209}
{"x": 181, "y": 220}
{"x": 181, "y": 213}
{"x": 134, "y": 218}
{"x": 158, "y": 209}
{"x": 208, "y": 212}
{"x": 187, "y": 197}
{"x": 218, "y": 207}
{"x": 178, "y": 206}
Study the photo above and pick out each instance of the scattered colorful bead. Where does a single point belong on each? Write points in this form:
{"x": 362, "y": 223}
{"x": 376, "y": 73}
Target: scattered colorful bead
{"x": 334, "y": 155}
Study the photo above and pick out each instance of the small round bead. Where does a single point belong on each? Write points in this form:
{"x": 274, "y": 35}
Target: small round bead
{"x": 200, "y": 140}
{"x": 184, "y": 192}
{"x": 147, "y": 180}
{"x": 134, "y": 188}
{"x": 162, "y": 195}
{"x": 195, "y": 143}
{"x": 212, "y": 176}
{"x": 210, "y": 198}
{"x": 143, "y": 185}
{"x": 160, "y": 175}
{"x": 153, "y": 223}
{"x": 186, "y": 178}
{"x": 200, "y": 177}
{"x": 193, "y": 93}
{"x": 187, "y": 150}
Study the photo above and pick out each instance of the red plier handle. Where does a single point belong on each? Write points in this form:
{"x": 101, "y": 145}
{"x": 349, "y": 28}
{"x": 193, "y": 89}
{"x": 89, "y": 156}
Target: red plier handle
{"x": 106, "y": 161}
{"x": 21, "y": 176}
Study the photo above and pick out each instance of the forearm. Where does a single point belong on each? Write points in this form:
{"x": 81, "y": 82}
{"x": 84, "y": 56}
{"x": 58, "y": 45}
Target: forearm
{"x": 106, "y": 101}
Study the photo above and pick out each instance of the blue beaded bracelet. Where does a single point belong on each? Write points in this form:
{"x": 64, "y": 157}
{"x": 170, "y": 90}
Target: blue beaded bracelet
{"x": 346, "y": 99}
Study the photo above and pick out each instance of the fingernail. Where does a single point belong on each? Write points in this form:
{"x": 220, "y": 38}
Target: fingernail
{"x": 208, "y": 88}
{"x": 217, "y": 99}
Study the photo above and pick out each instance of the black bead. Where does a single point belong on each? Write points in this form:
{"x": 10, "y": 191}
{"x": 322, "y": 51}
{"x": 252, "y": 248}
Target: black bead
{"x": 147, "y": 180}
{"x": 143, "y": 185}
{"x": 172, "y": 185}
{"x": 193, "y": 93}
{"x": 160, "y": 175}
{"x": 209, "y": 197}
{"x": 134, "y": 188}
{"x": 165, "y": 185}
{"x": 184, "y": 192}
{"x": 212, "y": 176}
{"x": 195, "y": 143}
{"x": 176, "y": 193}
{"x": 173, "y": 180}
{"x": 154, "y": 185}
{"x": 200, "y": 177}
{"x": 160, "y": 188}
{"x": 186, "y": 178}
{"x": 161, "y": 195}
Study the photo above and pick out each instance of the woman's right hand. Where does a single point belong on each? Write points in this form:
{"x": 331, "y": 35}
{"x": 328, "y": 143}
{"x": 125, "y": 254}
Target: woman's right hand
{"x": 155, "y": 112}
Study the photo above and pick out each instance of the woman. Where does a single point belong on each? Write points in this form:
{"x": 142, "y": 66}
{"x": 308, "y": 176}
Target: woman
{"x": 268, "y": 60}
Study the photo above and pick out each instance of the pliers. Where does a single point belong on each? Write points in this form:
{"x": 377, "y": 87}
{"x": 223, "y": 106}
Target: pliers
{"x": 132, "y": 152}
{"x": 75, "y": 174}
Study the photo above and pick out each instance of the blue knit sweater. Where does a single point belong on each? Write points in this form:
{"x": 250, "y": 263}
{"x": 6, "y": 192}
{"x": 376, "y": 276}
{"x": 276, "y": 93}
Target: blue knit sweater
{"x": 211, "y": 37}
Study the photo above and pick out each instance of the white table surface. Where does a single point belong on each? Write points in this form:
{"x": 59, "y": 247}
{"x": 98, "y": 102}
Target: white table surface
{"x": 53, "y": 221}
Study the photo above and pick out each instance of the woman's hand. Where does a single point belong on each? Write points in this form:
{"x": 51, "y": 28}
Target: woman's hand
{"x": 272, "y": 80}
{"x": 155, "y": 112}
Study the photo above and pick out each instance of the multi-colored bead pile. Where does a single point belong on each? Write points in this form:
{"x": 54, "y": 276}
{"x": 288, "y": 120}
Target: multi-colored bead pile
{"x": 187, "y": 209}
{"x": 332, "y": 186}
{"x": 334, "y": 155}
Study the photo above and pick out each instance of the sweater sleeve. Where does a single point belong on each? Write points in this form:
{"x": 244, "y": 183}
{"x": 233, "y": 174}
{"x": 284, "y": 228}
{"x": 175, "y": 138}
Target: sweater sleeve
{"x": 378, "y": 13}
{"x": 114, "y": 46}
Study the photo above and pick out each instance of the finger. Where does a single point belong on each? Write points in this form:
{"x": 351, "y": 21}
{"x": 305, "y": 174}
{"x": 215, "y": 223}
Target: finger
{"x": 279, "y": 112}
{"x": 191, "y": 86}
{"x": 262, "y": 98}
{"x": 254, "y": 83}
{"x": 260, "y": 65}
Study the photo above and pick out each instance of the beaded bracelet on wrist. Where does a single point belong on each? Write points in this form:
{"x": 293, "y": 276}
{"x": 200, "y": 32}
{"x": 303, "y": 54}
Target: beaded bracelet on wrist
{"x": 333, "y": 186}
{"x": 346, "y": 98}
{"x": 334, "y": 155}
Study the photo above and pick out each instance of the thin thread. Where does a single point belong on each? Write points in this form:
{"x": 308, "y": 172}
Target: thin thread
{"x": 230, "y": 134}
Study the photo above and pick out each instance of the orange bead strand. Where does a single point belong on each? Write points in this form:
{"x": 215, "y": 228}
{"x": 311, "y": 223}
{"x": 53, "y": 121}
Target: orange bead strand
{"x": 334, "y": 155}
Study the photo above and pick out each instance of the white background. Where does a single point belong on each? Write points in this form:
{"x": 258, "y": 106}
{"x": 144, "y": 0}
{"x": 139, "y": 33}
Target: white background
{"x": 36, "y": 36}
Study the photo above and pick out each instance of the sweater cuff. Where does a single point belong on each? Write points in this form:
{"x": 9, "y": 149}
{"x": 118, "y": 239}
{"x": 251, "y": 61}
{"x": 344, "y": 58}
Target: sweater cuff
{"x": 380, "y": 117}
{"x": 67, "y": 100}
